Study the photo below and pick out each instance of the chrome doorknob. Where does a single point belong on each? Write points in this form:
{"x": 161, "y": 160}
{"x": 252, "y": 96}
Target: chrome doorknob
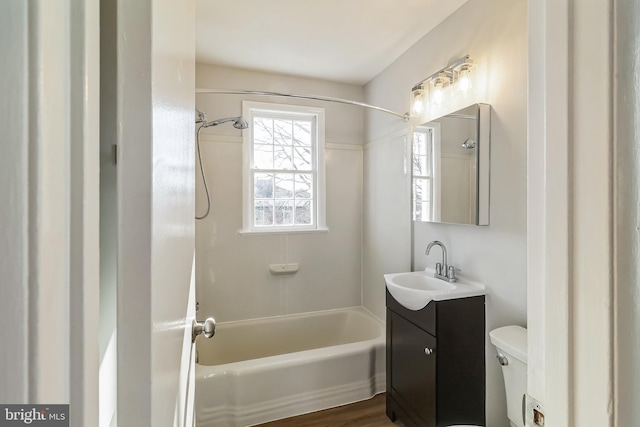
{"x": 206, "y": 328}
{"x": 428, "y": 351}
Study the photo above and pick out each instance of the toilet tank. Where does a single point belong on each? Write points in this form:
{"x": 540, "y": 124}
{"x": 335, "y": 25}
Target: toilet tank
{"x": 511, "y": 342}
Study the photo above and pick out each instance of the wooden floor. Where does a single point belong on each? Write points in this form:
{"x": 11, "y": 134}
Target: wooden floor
{"x": 370, "y": 413}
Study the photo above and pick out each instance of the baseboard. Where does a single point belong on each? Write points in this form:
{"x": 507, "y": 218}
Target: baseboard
{"x": 316, "y": 400}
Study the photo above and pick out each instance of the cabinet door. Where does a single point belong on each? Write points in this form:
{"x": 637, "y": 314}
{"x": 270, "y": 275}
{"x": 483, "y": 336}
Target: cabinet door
{"x": 413, "y": 369}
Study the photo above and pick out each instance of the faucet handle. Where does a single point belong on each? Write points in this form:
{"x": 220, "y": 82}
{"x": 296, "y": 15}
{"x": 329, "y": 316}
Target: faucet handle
{"x": 438, "y": 268}
{"x": 451, "y": 274}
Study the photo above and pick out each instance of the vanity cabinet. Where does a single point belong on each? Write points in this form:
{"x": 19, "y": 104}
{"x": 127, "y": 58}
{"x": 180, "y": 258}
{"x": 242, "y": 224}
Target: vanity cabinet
{"x": 436, "y": 363}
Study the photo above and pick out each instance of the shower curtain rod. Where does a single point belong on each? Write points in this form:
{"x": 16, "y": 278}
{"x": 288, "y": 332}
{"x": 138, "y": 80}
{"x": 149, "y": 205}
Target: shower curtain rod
{"x": 404, "y": 116}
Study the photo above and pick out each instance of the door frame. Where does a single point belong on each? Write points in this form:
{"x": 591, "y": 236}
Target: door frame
{"x": 52, "y": 147}
{"x": 56, "y": 289}
{"x": 569, "y": 238}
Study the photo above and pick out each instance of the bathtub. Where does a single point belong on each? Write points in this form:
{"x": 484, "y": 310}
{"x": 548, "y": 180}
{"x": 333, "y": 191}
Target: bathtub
{"x": 262, "y": 370}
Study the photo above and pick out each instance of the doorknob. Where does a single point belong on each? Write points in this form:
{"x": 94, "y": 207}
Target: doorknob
{"x": 206, "y": 328}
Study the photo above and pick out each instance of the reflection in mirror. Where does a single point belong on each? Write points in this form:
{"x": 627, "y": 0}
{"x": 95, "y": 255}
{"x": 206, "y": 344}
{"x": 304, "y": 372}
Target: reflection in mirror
{"x": 450, "y": 179}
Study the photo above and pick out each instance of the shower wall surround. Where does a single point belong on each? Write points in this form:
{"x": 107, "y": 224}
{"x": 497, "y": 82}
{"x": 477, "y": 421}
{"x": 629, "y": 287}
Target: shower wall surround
{"x": 233, "y": 281}
{"x": 494, "y": 32}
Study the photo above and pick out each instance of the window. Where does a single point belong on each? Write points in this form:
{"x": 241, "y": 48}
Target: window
{"x": 283, "y": 168}
{"x": 425, "y": 173}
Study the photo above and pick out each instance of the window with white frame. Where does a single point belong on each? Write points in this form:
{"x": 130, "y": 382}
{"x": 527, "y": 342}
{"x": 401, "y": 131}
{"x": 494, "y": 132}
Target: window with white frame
{"x": 283, "y": 168}
{"x": 423, "y": 174}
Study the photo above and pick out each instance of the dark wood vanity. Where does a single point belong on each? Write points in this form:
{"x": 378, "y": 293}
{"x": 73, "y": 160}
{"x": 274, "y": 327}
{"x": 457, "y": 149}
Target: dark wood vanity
{"x": 436, "y": 363}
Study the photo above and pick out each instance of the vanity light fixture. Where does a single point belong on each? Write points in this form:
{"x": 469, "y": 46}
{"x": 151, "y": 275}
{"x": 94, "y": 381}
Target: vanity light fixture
{"x": 456, "y": 79}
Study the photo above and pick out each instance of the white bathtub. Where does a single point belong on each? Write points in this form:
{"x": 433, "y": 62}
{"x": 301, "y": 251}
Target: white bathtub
{"x": 261, "y": 370}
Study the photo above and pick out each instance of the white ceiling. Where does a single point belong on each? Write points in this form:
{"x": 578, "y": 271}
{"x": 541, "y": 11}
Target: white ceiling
{"x": 349, "y": 41}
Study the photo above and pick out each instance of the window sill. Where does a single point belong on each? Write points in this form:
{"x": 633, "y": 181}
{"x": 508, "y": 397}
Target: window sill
{"x": 243, "y": 232}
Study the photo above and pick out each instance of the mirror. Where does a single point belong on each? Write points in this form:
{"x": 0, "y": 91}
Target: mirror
{"x": 450, "y": 174}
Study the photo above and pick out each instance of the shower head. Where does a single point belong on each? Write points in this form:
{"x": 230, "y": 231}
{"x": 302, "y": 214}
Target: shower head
{"x": 241, "y": 123}
{"x": 469, "y": 144}
{"x": 238, "y": 122}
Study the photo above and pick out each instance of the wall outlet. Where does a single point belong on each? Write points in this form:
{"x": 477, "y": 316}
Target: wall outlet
{"x": 534, "y": 413}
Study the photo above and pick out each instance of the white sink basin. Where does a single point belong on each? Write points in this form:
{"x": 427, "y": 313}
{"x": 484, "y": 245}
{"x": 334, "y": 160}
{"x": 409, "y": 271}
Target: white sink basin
{"x": 414, "y": 290}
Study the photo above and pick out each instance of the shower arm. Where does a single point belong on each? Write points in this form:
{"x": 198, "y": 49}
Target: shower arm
{"x": 404, "y": 116}
{"x": 202, "y": 117}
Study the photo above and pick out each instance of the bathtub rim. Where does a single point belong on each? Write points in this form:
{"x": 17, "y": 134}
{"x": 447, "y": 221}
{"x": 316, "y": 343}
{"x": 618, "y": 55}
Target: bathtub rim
{"x": 357, "y": 308}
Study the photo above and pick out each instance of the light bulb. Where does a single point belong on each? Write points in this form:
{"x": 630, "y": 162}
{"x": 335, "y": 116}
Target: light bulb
{"x": 438, "y": 96}
{"x": 417, "y": 101}
{"x": 439, "y": 85}
{"x": 464, "y": 84}
{"x": 418, "y": 104}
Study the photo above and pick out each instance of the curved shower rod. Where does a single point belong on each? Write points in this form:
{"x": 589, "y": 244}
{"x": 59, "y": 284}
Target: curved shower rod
{"x": 404, "y": 116}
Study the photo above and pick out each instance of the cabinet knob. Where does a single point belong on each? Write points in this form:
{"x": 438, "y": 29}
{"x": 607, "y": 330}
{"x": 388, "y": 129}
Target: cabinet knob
{"x": 428, "y": 351}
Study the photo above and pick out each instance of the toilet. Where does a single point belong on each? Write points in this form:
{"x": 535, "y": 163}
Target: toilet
{"x": 511, "y": 345}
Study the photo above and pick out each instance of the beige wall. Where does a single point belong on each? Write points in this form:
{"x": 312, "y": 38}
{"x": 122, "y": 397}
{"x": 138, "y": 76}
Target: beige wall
{"x": 494, "y": 33}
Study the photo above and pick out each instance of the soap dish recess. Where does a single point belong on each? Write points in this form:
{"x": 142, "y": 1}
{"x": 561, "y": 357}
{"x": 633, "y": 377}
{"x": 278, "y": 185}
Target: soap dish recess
{"x": 283, "y": 269}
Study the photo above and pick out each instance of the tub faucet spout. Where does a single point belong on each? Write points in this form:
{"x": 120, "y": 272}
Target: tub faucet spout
{"x": 443, "y": 270}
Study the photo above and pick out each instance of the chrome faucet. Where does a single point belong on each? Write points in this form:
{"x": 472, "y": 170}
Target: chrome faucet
{"x": 443, "y": 271}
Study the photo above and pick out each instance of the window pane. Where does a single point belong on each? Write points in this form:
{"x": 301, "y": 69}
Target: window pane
{"x": 426, "y": 165}
{"x": 263, "y": 156}
{"x": 419, "y": 140}
{"x": 262, "y": 130}
{"x": 282, "y": 157}
{"x": 302, "y": 133}
{"x": 284, "y": 186}
{"x": 421, "y": 166}
{"x": 304, "y": 212}
{"x": 302, "y": 158}
{"x": 417, "y": 168}
{"x": 422, "y": 189}
{"x": 282, "y": 132}
{"x": 304, "y": 186}
{"x": 263, "y": 186}
{"x": 421, "y": 211}
{"x": 422, "y": 199}
{"x": 284, "y": 212}
{"x": 421, "y": 154}
{"x": 263, "y": 213}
